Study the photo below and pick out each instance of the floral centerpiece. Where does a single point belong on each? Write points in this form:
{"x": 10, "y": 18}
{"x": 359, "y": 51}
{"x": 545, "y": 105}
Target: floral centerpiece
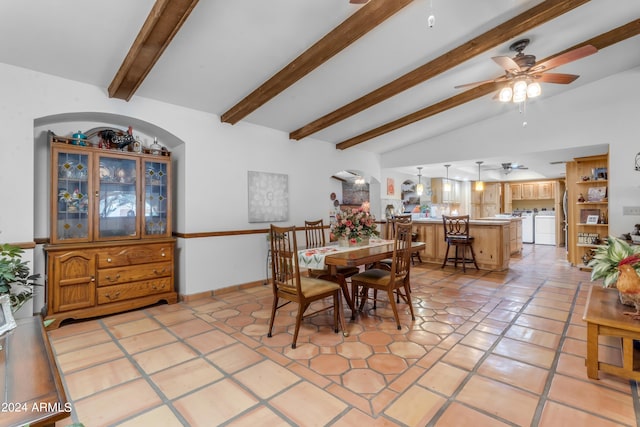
{"x": 353, "y": 227}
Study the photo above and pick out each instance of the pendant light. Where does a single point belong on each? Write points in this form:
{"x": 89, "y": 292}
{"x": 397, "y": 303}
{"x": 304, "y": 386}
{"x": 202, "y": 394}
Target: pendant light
{"x": 447, "y": 184}
{"x": 419, "y": 187}
{"x": 479, "y": 183}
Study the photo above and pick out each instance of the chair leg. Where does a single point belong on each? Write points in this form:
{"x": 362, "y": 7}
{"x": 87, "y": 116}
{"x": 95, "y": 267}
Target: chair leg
{"x": 354, "y": 298}
{"x": 464, "y": 259}
{"x": 407, "y": 291}
{"x": 446, "y": 256}
{"x": 455, "y": 261}
{"x": 273, "y": 315}
{"x": 340, "y": 315}
{"x": 394, "y": 307}
{"x": 301, "y": 310}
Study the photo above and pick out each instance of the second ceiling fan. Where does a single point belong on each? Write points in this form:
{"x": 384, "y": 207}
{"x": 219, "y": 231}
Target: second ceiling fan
{"x": 523, "y": 74}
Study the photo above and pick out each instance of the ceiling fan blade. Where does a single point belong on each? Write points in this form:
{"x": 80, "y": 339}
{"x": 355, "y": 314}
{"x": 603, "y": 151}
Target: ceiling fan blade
{"x": 507, "y": 63}
{"x": 496, "y": 80}
{"x": 565, "y": 58}
{"x": 558, "y": 78}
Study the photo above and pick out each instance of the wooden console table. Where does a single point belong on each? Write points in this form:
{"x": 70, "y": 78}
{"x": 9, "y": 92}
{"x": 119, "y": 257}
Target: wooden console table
{"x": 604, "y": 316}
{"x": 32, "y": 390}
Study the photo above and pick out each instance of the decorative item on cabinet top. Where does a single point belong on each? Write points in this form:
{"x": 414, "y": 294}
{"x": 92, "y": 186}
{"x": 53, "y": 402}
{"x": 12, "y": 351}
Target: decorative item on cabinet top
{"x": 111, "y": 139}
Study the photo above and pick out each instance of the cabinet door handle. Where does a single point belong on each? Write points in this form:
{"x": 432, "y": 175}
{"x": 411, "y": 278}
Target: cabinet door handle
{"x": 115, "y": 278}
{"x": 162, "y": 254}
{"x": 164, "y": 270}
{"x": 108, "y": 259}
{"x": 93, "y": 278}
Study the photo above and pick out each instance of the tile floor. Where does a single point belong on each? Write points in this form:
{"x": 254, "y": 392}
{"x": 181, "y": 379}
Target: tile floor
{"x": 486, "y": 349}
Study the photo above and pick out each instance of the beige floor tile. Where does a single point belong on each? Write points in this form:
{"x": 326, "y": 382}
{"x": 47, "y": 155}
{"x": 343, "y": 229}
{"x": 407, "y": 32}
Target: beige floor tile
{"x": 164, "y": 357}
{"x": 594, "y": 398}
{"x": 260, "y": 417}
{"x": 116, "y": 404}
{"x": 101, "y": 377}
{"x": 493, "y": 397}
{"x": 415, "y": 407}
{"x": 555, "y": 414}
{"x": 90, "y": 356}
{"x": 515, "y": 373}
{"x": 235, "y": 357}
{"x": 313, "y": 406}
{"x": 209, "y": 341}
{"x": 69, "y": 343}
{"x": 525, "y": 352}
{"x": 443, "y": 378}
{"x": 266, "y": 378}
{"x": 457, "y": 415}
{"x": 161, "y": 416}
{"x": 463, "y": 356}
{"x": 148, "y": 340}
{"x": 230, "y": 400}
{"x": 186, "y": 377}
{"x": 135, "y": 327}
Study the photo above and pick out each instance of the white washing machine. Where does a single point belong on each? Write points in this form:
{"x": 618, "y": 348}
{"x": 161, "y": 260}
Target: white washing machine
{"x": 545, "y": 229}
{"x": 528, "y": 225}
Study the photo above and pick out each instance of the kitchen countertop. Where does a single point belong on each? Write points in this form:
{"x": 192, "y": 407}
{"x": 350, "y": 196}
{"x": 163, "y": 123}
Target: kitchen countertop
{"x": 480, "y": 221}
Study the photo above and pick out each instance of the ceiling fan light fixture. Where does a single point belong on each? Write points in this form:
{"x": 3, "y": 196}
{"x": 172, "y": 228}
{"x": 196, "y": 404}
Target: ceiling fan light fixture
{"x": 506, "y": 93}
{"x": 519, "y": 91}
{"x": 534, "y": 89}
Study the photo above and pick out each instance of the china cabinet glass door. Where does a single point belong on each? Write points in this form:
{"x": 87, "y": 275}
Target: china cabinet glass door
{"x": 71, "y": 198}
{"x": 117, "y": 209}
{"x": 156, "y": 202}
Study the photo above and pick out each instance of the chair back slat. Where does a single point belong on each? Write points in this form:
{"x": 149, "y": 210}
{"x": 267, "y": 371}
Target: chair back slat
{"x": 284, "y": 259}
{"x": 398, "y": 219}
{"x": 456, "y": 226}
{"x": 314, "y": 234}
{"x": 401, "y": 259}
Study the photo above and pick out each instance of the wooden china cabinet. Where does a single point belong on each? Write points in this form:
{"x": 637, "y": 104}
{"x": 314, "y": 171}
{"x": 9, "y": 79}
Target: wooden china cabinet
{"x": 110, "y": 248}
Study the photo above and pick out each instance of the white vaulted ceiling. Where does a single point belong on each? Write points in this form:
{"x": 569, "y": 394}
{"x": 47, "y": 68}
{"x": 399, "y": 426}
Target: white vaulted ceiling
{"x": 225, "y": 50}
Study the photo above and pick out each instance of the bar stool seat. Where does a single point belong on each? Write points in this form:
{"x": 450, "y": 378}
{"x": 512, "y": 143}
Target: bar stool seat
{"x": 456, "y": 234}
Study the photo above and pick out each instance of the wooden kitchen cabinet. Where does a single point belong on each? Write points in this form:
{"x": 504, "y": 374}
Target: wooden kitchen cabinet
{"x": 440, "y": 195}
{"x": 545, "y": 190}
{"x": 516, "y": 191}
{"x": 486, "y": 203}
{"x": 529, "y": 191}
{"x": 110, "y": 248}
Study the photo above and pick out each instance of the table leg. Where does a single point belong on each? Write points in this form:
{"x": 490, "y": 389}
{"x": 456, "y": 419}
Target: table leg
{"x": 592, "y": 351}
{"x": 341, "y": 280}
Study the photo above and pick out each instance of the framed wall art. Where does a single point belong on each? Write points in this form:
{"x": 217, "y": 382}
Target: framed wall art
{"x": 7, "y": 321}
{"x": 268, "y": 196}
{"x": 391, "y": 188}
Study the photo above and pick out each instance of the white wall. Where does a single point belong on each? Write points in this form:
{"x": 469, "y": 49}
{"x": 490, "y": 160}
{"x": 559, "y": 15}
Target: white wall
{"x": 212, "y": 170}
{"x": 213, "y": 160}
{"x": 605, "y": 112}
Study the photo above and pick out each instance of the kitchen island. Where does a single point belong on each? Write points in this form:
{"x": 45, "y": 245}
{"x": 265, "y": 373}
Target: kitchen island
{"x": 492, "y": 241}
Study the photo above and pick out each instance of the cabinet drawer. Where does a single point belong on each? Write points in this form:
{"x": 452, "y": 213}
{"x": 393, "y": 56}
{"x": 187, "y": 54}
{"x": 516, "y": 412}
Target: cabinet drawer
{"x": 117, "y": 275}
{"x": 133, "y": 255}
{"x": 108, "y": 294}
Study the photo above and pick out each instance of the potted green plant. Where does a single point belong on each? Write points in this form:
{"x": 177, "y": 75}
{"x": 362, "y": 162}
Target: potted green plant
{"x": 607, "y": 260}
{"x": 16, "y": 279}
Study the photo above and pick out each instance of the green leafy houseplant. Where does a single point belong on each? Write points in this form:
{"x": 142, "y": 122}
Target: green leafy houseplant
{"x": 15, "y": 272}
{"x": 607, "y": 258}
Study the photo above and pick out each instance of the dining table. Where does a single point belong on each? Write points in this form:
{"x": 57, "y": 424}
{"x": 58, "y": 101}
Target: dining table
{"x": 332, "y": 256}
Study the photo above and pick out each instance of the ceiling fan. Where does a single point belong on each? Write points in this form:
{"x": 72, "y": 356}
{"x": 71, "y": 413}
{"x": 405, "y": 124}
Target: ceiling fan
{"x": 524, "y": 68}
{"x": 507, "y": 168}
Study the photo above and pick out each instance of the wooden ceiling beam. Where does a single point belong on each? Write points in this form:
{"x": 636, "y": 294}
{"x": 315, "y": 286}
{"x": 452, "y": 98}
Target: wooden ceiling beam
{"x": 537, "y": 15}
{"x": 164, "y": 20}
{"x": 602, "y": 41}
{"x": 358, "y": 24}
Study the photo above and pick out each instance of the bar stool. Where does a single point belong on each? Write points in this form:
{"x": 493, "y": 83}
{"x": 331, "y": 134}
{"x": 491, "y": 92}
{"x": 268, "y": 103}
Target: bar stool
{"x": 456, "y": 233}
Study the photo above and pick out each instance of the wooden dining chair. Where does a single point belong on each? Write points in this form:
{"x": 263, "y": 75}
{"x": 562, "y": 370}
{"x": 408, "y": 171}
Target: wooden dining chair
{"x": 315, "y": 238}
{"x": 288, "y": 285}
{"x": 456, "y": 234}
{"x": 394, "y": 280}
